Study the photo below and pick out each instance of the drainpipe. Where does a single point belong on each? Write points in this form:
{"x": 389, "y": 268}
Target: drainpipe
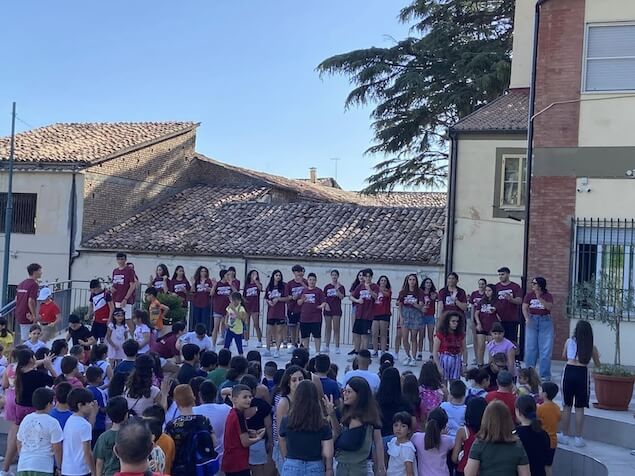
{"x": 530, "y": 140}
{"x": 451, "y": 210}
{"x": 73, "y": 213}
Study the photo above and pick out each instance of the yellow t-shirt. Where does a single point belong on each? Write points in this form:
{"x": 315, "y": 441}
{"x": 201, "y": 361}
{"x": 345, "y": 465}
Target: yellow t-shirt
{"x": 7, "y": 343}
{"x": 549, "y": 414}
{"x": 235, "y": 319}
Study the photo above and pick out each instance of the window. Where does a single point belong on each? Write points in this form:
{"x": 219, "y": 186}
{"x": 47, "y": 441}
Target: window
{"x": 603, "y": 257}
{"x": 24, "y": 208}
{"x": 513, "y": 182}
{"x": 610, "y": 57}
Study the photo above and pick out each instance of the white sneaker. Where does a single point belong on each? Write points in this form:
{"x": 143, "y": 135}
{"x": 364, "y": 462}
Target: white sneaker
{"x": 407, "y": 360}
{"x": 327, "y": 350}
{"x": 276, "y": 354}
{"x": 337, "y": 350}
{"x": 291, "y": 348}
{"x": 579, "y": 442}
{"x": 323, "y": 348}
{"x": 563, "y": 439}
{"x": 220, "y": 341}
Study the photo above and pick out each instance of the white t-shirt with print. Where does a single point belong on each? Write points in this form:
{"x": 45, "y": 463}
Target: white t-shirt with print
{"x": 76, "y": 431}
{"x": 138, "y": 336}
{"x": 191, "y": 338}
{"x": 38, "y": 433}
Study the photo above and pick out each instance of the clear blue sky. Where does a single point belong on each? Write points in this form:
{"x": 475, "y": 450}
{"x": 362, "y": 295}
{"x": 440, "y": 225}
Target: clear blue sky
{"x": 244, "y": 69}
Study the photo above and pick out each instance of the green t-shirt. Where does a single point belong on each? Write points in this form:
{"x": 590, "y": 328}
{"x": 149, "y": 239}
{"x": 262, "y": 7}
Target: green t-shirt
{"x": 103, "y": 450}
{"x": 498, "y": 459}
{"x": 217, "y": 376}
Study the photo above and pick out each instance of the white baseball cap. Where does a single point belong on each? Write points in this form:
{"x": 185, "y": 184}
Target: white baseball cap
{"x": 45, "y": 293}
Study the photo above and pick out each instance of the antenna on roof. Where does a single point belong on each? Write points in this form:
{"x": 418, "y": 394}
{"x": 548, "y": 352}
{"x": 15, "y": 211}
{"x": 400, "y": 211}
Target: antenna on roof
{"x": 336, "y": 160}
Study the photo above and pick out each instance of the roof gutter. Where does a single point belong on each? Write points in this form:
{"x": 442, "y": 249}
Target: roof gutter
{"x": 530, "y": 140}
{"x": 451, "y": 214}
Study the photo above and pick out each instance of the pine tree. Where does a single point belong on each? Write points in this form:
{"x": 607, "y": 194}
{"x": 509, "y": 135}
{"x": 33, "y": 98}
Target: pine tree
{"x": 456, "y": 60}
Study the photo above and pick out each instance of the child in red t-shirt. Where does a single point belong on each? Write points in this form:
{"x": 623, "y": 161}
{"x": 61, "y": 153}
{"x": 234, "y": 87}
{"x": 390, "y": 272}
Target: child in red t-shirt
{"x": 238, "y": 438}
{"x": 505, "y": 392}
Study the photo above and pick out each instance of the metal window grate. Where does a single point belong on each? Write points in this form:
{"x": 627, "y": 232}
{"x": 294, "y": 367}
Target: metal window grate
{"x": 24, "y": 212}
{"x": 602, "y": 268}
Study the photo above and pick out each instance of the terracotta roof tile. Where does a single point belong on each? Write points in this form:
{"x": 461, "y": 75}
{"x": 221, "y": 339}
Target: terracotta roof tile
{"x": 86, "y": 142}
{"x": 509, "y": 112}
{"x": 410, "y": 199}
{"x": 201, "y": 223}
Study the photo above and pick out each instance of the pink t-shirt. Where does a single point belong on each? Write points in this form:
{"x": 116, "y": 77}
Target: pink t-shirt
{"x": 432, "y": 462}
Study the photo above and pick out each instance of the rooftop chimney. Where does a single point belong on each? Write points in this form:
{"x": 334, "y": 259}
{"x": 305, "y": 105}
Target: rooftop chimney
{"x": 312, "y": 175}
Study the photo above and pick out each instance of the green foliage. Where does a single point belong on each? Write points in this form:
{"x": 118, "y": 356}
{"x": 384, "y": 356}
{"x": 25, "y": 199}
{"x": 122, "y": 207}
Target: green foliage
{"x": 604, "y": 299}
{"x": 82, "y": 312}
{"x": 614, "y": 370}
{"x": 456, "y": 59}
{"x": 176, "y": 313}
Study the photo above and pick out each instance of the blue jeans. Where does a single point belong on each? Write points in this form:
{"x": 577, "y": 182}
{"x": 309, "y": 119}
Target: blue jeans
{"x": 200, "y": 315}
{"x": 238, "y": 338}
{"x": 539, "y": 343}
{"x": 297, "y": 467}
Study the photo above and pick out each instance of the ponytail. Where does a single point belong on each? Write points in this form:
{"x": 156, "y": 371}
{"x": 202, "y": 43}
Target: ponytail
{"x": 526, "y": 406}
{"x": 23, "y": 358}
{"x": 437, "y": 421}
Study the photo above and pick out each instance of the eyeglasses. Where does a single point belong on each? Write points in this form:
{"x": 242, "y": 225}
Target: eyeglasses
{"x": 534, "y": 282}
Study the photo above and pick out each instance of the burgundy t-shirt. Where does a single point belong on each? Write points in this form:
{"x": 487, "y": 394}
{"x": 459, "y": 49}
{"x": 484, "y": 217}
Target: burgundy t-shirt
{"x": 201, "y": 297}
{"x": 449, "y": 300}
{"x": 535, "y": 306}
{"x": 221, "y": 295}
{"x": 507, "y": 310}
{"x": 159, "y": 284}
{"x": 429, "y": 301}
{"x": 487, "y": 314}
{"x": 310, "y": 312}
{"x": 165, "y": 346}
{"x": 252, "y": 298}
{"x": 235, "y": 456}
{"x": 180, "y": 288}
{"x": 28, "y": 288}
{"x": 293, "y": 288}
{"x": 121, "y": 280}
{"x": 475, "y": 298}
{"x": 277, "y": 310}
{"x": 334, "y": 302}
{"x": 410, "y": 298}
{"x": 365, "y": 309}
{"x": 382, "y": 304}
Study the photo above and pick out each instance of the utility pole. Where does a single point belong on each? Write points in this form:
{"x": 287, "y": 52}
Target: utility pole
{"x": 336, "y": 160}
{"x": 8, "y": 217}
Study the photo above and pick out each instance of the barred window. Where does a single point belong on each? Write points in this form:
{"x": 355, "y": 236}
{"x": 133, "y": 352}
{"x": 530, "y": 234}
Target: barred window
{"x": 24, "y": 211}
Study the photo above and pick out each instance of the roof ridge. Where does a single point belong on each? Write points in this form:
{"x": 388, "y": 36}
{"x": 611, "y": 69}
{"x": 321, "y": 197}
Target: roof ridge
{"x": 493, "y": 101}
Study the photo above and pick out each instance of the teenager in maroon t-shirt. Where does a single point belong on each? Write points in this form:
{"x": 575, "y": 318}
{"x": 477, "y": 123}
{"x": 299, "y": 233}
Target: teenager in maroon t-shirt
{"x": 161, "y": 280}
{"x": 202, "y": 287}
{"x": 538, "y": 327}
{"x": 334, "y": 292}
{"x": 429, "y": 297}
{"x": 179, "y": 285}
{"x": 124, "y": 283}
{"x": 251, "y": 293}
{"x": 381, "y": 316}
{"x": 276, "y": 297}
{"x": 26, "y": 300}
{"x": 485, "y": 314}
{"x": 220, "y": 299}
{"x": 410, "y": 303}
{"x": 364, "y": 296}
{"x": 312, "y": 303}
{"x": 510, "y": 296}
{"x": 451, "y": 297}
{"x": 473, "y": 301}
{"x": 293, "y": 291}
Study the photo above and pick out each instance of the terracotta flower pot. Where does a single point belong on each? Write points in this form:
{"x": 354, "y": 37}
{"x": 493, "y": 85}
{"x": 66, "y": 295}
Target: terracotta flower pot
{"x": 613, "y": 392}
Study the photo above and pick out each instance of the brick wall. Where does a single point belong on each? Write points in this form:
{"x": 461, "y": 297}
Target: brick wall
{"x": 553, "y": 198}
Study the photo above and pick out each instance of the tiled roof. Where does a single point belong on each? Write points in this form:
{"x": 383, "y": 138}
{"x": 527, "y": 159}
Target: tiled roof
{"x": 507, "y": 113}
{"x": 201, "y": 224}
{"x": 324, "y": 181}
{"x": 84, "y": 143}
{"x": 410, "y": 199}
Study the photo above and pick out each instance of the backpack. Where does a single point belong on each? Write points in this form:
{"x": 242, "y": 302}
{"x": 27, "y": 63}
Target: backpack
{"x": 429, "y": 400}
{"x": 201, "y": 455}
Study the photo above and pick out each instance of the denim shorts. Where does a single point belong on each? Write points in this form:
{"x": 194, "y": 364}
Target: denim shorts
{"x": 428, "y": 320}
{"x": 258, "y": 453}
{"x": 411, "y": 318}
{"x": 293, "y": 467}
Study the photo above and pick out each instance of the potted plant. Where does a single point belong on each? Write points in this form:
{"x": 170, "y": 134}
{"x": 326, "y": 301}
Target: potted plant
{"x": 176, "y": 313}
{"x": 605, "y": 300}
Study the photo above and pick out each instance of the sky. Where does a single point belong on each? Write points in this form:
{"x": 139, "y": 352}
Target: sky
{"x": 244, "y": 69}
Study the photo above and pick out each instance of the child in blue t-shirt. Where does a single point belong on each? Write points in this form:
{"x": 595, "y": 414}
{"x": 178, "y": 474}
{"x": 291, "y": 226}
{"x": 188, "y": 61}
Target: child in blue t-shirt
{"x": 95, "y": 379}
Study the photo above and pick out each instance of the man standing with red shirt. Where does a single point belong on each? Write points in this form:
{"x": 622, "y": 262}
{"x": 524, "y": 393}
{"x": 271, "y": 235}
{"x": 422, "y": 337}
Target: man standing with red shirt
{"x": 364, "y": 296}
{"x": 313, "y": 303}
{"x": 26, "y": 300}
{"x": 49, "y": 313}
{"x": 124, "y": 283}
{"x": 510, "y": 297}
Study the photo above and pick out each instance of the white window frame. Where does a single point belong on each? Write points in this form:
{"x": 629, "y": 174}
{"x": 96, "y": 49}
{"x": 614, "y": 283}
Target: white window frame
{"x": 522, "y": 182}
{"x": 585, "y": 58}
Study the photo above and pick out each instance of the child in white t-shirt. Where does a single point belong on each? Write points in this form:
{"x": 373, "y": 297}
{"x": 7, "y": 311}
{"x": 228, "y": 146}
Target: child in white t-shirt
{"x": 40, "y": 437}
{"x": 403, "y": 459}
{"x": 455, "y": 407}
{"x": 78, "y": 434}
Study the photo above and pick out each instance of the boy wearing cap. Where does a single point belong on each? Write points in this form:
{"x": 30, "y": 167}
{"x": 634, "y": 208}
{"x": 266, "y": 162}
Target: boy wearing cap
{"x": 49, "y": 314}
{"x": 505, "y": 392}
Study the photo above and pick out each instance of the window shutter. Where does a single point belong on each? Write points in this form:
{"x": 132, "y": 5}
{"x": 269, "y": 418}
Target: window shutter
{"x": 610, "y": 58}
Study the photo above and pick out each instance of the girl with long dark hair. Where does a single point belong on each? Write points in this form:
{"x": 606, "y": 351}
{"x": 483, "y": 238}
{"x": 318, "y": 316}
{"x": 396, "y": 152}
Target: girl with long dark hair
{"x": 359, "y": 431}
{"x": 334, "y": 292}
{"x": 467, "y": 434}
{"x": 539, "y": 333}
{"x": 390, "y": 400}
{"x": 410, "y": 393}
{"x": 139, "y": 390}
{"x": 431, "y": 389}
{"x": 452, "y": 297}
{"x": 579, "y": 351}
{"x": 381, "y": 318}
{"x": 450, "y": 351}
{"x": 179, "y": 285}
{"x": 306, "y": 439}
{"x": 28, "y": 379}
{"x": 433, "y": 445}
{"x": 474, "y": 301}
{"x": 410, "y": 304}
{"x": 251, "y": 293}
{"x": 429, "y": 300}
{"x": 161, "y": 280}
{"x": 276, "y": 316}
{"x": 201, "y": 297}
{"x": 534, "y": 439}
{"x": 485, "y": 314}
